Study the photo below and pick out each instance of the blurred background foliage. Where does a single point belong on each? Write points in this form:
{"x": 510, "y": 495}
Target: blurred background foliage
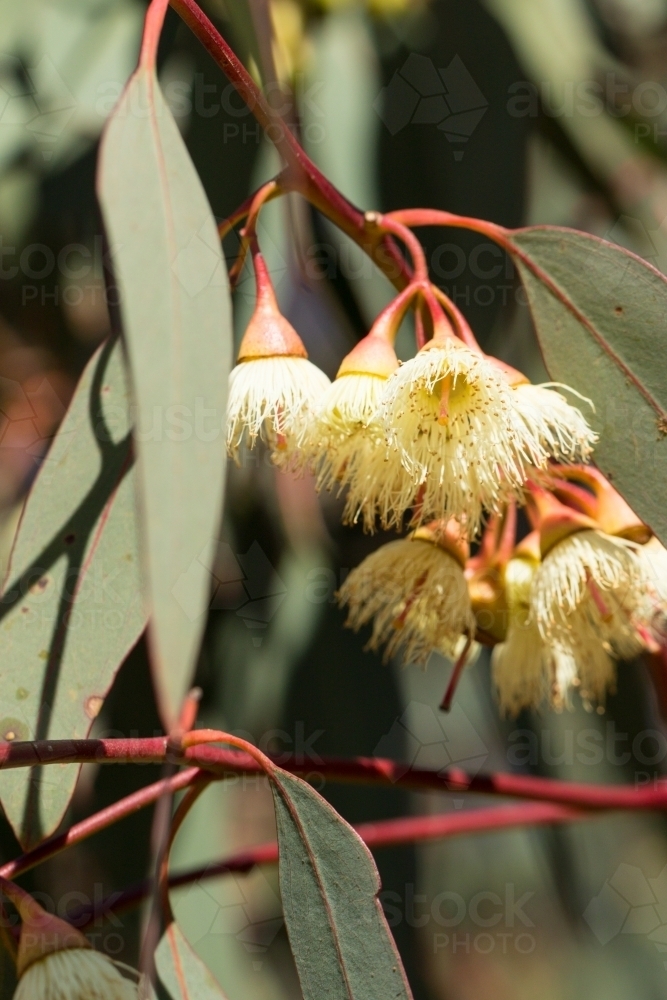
{"x": 520, "y": 111}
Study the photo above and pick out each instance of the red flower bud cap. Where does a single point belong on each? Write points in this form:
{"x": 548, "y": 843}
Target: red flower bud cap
{"x": 513, "y": 375}
{"x": 447, "y": 535}
{"x": 373, "y": 355}
{"x": 613, "y": 514}
{"x": 43, "y": 934}
{"x": 556, "y": 521}
{"x": 268, "y": 334}
{"x": 528, "y": 548}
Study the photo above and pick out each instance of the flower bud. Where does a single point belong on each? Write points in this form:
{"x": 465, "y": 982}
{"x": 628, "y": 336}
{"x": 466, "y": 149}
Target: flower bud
{"x": 414, "y": 592}
{"x": 274, "y": 390}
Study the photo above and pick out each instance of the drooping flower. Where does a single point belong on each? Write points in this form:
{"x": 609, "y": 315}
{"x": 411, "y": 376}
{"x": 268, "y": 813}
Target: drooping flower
{"x": 591, "y": 582}
{"x": 560, "y": 428}
{"x": 518, "y": 664}
{"x": 588, "y": 594}
{"x": 274, "y": 390}
{"x": 415, "y": 593}
{"x": 448, "y": 411}
{"x": 528, "y": 670}
{"x": 347, "y": 446}
{"x": 469, "y": 428}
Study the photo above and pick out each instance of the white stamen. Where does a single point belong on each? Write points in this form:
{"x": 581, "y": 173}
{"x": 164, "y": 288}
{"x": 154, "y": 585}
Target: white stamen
{"x": 74, "y": 974}
{"x": 417, "y": 597}
{"x": 274, "y": 398}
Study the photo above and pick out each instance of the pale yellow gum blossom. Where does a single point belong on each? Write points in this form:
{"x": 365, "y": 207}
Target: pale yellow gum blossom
{"x": 520, "y": 665}
{"x": 274, "y": 398}
{"x": 653, "y": 556}
{"x": 589, "y": 600}
{"x": 560, "y": 428}
{"x": 598, "y": 576}
{"x": 350, "y": 402}
{"x": 453, "y": 418}
{"x": 415, "y": 594}
{"x": 348, "y": 451}
{"x": 529, "y": 670}
{"x": 74, "y": 974}
{"x": 378, "y": 487}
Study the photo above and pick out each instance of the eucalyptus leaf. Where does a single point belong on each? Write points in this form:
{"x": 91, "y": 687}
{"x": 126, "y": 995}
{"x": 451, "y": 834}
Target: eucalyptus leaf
{"x": 70, "y": 609}
{"x": 181, "y": 971}
{"x": 600, "y": 313}
{"x": 176, "y": 319}
{"x": 329, "y": 884}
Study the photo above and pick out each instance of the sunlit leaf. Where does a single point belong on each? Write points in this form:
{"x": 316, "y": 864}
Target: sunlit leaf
{"x": 175, "y": 310}
{"x": 600, "y": 314}
{"x": 71, "y": 607}
{"x": 340, "y": 939}
{"x": 181, "y": 971}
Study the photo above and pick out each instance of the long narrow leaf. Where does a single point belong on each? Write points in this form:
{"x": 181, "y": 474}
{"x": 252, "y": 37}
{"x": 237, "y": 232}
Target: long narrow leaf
{"x": 175, "y": 311}
{"x": 71, "y": 608}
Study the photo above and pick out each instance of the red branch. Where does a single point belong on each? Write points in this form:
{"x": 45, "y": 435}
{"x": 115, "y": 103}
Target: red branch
{"x": 361, "y": 770}
{"x": 100, "y": 821}
{"x": 387, "y": 833}
{"x": 305, "y": 176}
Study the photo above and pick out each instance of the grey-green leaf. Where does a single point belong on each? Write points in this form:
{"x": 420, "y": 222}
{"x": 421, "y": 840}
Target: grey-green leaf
{"x": 176, "y": 318}
{"x": 181, "y": 971}
{"x": 341, "y": 942}
{"x": 71, "y": 607}
{"x": 601, "y": 327}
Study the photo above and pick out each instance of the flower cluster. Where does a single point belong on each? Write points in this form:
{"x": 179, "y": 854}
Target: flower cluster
{"x": 584, "y": 590}
{"x": 453, "y": 440}
{"x": 449, "y": 433}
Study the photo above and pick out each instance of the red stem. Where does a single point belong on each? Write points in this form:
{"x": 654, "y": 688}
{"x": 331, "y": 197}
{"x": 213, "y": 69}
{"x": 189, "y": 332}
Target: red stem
{"x": 386, "y": 833}
{"x": 100, "y": 821}
{"x": 360, "y": 770}
{"x": 457, "y": 673}
{"x": 306, "y": 178}
{"x": 419, "y": 264}
{"x": 458, "y": 319}
{"x": 363, "y": 770}
{"x": 415, "y": 217}
{"x": 153, "y": 22}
